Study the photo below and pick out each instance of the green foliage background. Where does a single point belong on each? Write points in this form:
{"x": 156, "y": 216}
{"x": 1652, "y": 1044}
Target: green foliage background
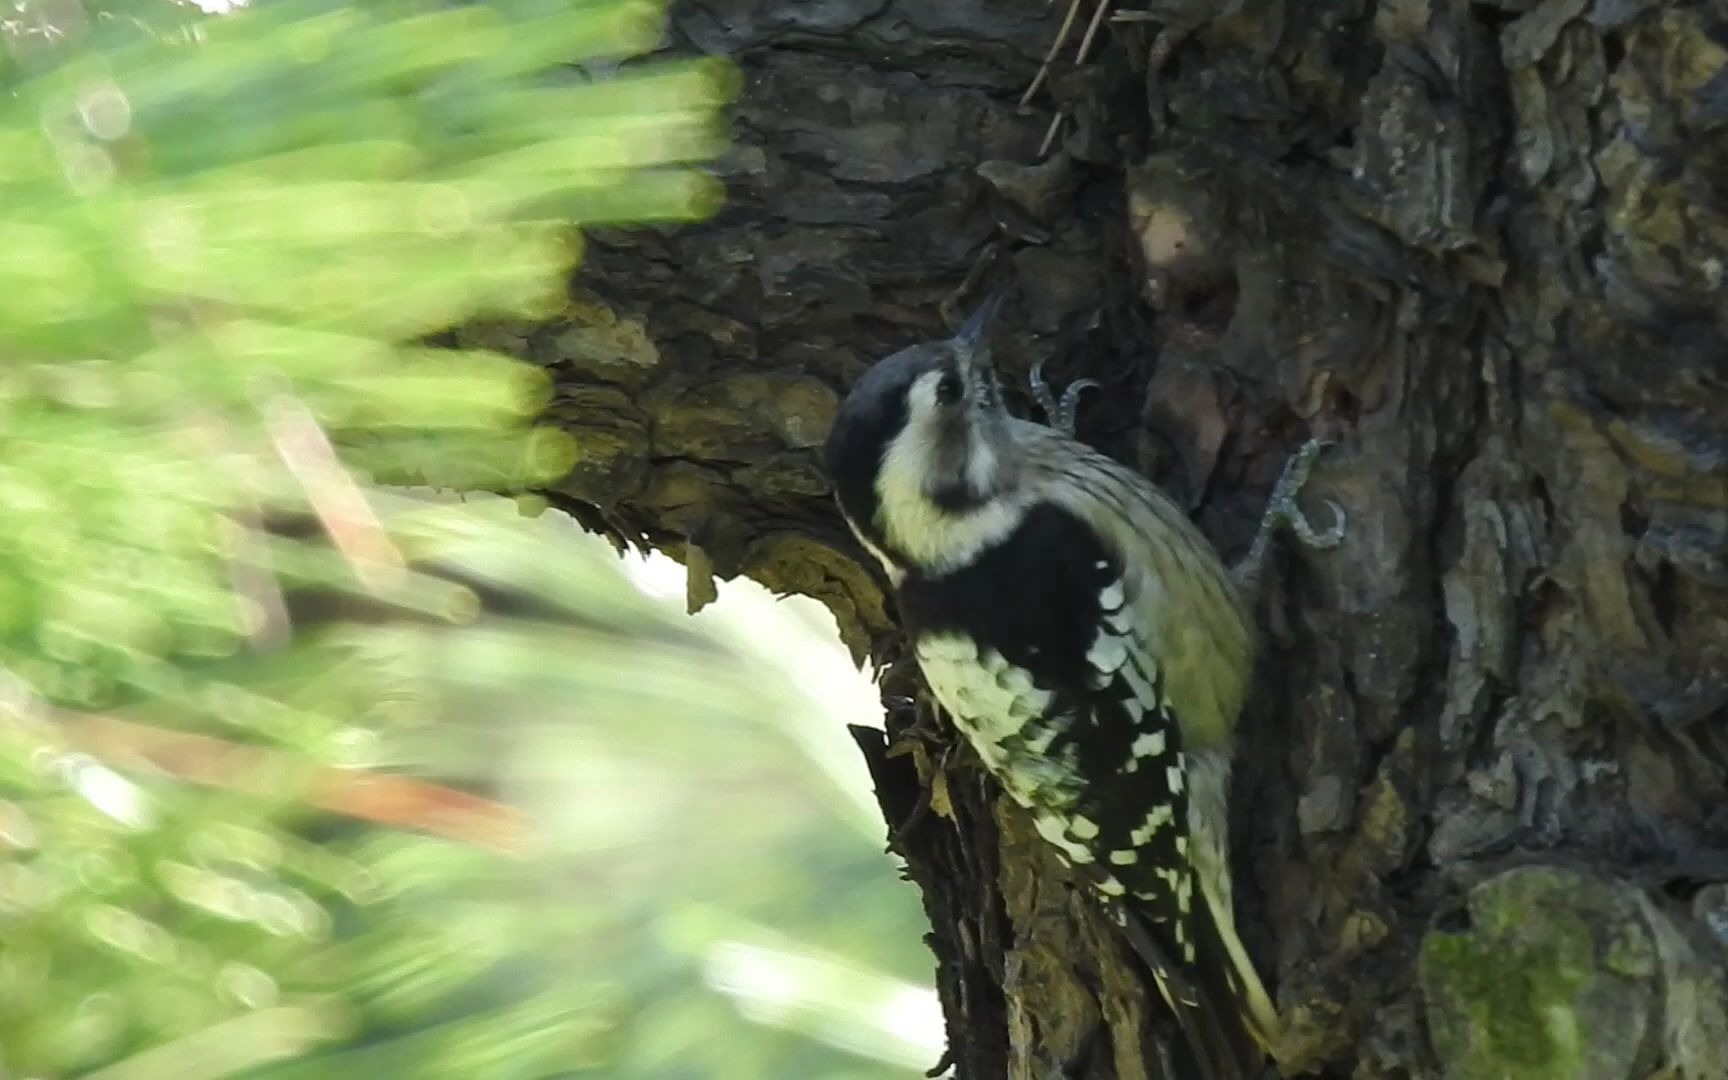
{"x": 223, "y": 243}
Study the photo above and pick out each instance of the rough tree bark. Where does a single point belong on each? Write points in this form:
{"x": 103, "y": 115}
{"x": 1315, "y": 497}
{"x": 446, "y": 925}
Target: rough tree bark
{"x": 1480, "y": 245}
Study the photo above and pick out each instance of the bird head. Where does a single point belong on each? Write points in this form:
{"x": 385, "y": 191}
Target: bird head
{"x": 923, "y": 434}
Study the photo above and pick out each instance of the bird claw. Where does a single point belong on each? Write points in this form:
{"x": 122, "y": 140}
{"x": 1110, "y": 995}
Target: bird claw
{"x": 1281, "y": 509}
{"x": 1059, "y": 414}
{"x": 1304, "y": 529}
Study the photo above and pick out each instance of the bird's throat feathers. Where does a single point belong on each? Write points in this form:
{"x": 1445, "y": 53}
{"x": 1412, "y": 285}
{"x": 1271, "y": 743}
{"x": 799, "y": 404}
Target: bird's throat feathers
{"x": 945, "y": 492}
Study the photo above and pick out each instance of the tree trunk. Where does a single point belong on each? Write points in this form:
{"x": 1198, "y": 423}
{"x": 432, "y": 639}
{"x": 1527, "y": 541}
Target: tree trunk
{"x": 1480, "y": 246}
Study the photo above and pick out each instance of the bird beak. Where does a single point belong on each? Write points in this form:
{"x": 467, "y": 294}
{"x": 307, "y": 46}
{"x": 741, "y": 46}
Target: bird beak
{"x": 971, "y": 333}
{"x": 972, "y": 344}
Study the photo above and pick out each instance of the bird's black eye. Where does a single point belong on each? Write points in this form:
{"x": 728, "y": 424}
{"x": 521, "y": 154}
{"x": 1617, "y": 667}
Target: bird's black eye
{"x": 948, "y": 390}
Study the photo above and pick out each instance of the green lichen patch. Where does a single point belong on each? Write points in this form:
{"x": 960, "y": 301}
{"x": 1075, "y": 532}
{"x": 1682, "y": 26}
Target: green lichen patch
{"x": 1553, "y": 979}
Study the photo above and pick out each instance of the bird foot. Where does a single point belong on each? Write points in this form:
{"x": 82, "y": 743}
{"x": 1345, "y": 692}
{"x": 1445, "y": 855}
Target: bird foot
{"x": 1281, "y": 509}
{"x": 1058, "y": 414}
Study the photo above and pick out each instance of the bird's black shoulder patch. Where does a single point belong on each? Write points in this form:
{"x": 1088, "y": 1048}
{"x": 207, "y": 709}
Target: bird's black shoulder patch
{"x": 1034, "y": 597}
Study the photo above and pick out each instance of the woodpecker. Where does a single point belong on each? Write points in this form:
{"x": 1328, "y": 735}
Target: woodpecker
{"x": 1087, "y": 641}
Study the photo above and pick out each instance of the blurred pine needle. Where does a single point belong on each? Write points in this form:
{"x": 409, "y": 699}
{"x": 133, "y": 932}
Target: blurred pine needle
{"x": 382, "y": 798}
{"x": 267, "y": 728}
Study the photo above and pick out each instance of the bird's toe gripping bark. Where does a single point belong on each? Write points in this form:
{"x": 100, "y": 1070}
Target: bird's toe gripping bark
{"x": 1281, "y": 509}
{"x": 1058, "y": 414}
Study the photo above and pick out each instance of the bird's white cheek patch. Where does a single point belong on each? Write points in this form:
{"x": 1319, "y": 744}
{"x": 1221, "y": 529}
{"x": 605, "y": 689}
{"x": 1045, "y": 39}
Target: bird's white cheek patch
{"x": 930, "y": 537}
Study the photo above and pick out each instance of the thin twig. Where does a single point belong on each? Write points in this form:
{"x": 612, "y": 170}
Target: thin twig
{"x": 335, "y": 498}
{"x": 1049, "y": 57}
{"x": 389, "y": 799}
{"x": 1086, "y": 42}
{"x": 1092, "y": 32}
{"x": 1050, "y": 133}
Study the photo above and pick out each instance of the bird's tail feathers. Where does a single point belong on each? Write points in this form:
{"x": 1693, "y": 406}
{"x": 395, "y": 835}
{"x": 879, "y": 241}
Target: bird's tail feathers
{"x": 1221, "y": 1037}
